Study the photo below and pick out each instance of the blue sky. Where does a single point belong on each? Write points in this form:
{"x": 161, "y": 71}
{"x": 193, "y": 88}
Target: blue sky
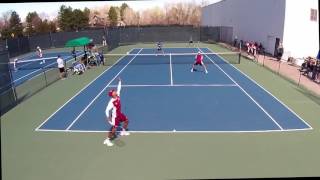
{"x": 51, "y": 8}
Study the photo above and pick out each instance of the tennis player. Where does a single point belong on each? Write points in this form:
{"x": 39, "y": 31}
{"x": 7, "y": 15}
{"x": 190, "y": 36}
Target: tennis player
{"x": 116, "y": 116}
{"x": 60, "y": 63}
{"x": 199, "y": 61}
{"x": 159, "y": 48}
{"x": 14, "y": 64}
{"x": 39, "y": 53}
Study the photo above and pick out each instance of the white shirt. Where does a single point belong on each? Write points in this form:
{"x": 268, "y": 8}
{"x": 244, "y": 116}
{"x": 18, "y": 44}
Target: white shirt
{"x": 60, "y": 63}
{"x": 39, "y": 52}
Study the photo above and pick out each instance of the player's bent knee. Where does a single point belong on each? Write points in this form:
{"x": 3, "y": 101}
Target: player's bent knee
{"x": 113, "y": 129}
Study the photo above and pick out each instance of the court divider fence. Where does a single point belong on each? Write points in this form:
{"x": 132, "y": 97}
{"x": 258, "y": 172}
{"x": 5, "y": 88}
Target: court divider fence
{"x": 7, "y": 92}
{"x": 120, "y": 35}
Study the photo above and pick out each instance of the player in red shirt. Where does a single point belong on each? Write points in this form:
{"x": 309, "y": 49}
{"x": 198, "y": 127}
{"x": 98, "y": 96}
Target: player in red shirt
{"x": 116, "y": 116}
{"x": 199, "y": 61}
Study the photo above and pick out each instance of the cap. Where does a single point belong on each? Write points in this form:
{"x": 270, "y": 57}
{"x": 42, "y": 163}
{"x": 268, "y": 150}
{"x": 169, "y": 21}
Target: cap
{"x": 110, "y": 92}
{"x": 199, "y": 52}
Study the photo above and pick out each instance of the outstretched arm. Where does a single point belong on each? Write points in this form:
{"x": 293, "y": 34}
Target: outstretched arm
{"x": 119, "y": 87}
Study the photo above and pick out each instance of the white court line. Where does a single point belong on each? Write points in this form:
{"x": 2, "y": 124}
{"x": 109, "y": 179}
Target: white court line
{"x": 169, "y": 132}
{"x": 85, "y": 109}
{"x": 245, "y": 93}
{"x": 171, "y": 77}
{"x": 310, "y": 127}
{"x": 79, "y": 92}
{"x": 176, "y": 85}
{"x": 172, "y": 48}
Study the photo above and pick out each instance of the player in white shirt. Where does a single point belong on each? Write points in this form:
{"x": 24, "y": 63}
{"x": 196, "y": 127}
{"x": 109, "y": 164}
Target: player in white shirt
{"x": 60, "y": 63}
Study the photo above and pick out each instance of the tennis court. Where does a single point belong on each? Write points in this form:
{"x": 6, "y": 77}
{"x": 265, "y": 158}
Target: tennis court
{"x": 30, "y": 66}
{"x": 60, "y": 130}
{"x": 161, "y": 95}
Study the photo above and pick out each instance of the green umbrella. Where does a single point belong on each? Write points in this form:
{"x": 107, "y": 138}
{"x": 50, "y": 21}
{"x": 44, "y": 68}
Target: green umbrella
{"x": 83, "y": 41}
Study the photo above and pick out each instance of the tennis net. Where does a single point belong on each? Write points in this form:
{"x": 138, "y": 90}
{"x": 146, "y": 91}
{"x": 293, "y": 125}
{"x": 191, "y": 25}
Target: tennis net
{"x": 172, "y": 58}
{"x": 40, "y": 63}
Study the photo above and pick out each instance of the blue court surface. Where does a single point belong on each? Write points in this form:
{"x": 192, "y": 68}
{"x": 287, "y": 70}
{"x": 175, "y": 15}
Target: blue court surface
{"x": 166, "y": 96}
{"x": 28, "y": 70}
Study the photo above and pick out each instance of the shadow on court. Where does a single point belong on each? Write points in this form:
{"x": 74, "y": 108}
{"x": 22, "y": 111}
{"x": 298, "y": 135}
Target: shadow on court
{"x": 118, "y": 142}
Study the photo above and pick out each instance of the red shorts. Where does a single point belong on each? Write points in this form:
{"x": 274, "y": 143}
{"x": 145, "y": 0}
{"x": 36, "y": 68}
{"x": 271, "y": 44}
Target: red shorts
{"x": 120, "y": 118}
{"x": 198, "y": 63}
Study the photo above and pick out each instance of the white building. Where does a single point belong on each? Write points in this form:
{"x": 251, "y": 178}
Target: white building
{"x": 292, "y": 22}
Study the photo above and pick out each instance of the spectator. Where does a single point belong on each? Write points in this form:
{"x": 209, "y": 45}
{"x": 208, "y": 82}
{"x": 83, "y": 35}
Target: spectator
{"x": 304, "y": 66}
{"x": 235, "y": 41}
{"x": 248, "y": 47}
{"x": 101, "y": 58}
{"x": 84, "y": 59}
{"x": 253, "y": 49}
{"x": 104, "y": 41}
{"x": 313, "y": 68}
{"x": 260, "y": 49}
{"x": 73, "y": 52}
{"x": 78, "y": 68}
{"x": 60, "y": 63}
{"x": 98, "y": 59}
{"x": 279, "y": 51}
{"x": 241, "y": 44}
{"x": 317, "y": 76}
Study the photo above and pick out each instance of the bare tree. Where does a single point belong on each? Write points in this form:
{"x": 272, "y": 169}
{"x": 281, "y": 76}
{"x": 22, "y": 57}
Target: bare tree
{"x": 130, "y": 17}
{"x": 5, "y": 16}
{"x": 44, "y": 15}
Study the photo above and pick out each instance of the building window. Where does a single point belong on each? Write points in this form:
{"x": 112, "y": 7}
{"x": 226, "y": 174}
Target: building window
{"x": 314, "y": 14}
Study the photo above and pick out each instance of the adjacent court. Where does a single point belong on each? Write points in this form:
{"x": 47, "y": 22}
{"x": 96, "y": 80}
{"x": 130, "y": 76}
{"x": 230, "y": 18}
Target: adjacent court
{"x": 28, "y": 67}
{"x": 160, "y": 94}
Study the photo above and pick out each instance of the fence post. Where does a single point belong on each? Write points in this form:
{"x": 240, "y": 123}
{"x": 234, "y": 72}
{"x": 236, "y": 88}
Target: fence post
{"x": 45, "y": 76}
{"x": 18, "y": 39}
{"x": 11, "y": 78}
{"x": 51, "y": 42}
{"x": 279, "y": 66}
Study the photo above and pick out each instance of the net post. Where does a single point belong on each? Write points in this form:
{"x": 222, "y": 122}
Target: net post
{"x": 12, "y": 84}
{"x": 45, "y": 76}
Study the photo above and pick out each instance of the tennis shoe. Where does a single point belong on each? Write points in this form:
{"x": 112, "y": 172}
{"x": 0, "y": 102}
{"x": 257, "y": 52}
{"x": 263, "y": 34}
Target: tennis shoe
{"x": 108, "y": 142}
{"x": 124, "y": 133}
{"x": 191, "y": 70}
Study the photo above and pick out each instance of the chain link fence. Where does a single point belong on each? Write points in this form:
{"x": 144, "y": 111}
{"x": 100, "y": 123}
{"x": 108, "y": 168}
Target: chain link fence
{"x": 7, "y": 92}
{"x": 121, "y": 35}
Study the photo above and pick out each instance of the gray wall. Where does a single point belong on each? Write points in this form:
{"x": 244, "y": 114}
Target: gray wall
{"x": 252, "y": 20}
